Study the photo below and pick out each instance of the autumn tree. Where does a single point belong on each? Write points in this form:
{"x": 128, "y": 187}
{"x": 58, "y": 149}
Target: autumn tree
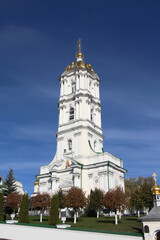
{"x": 96, "y": 200}
{"x": 41, "y": 202}
{"x": 1, "y": 207}
{"x": 54, "y": 214}
{"x": 24, "y": 207}
{"x": 139, "y": 193}
{"x": 75, "y": 199}
{"x": 13, "y": 201}
{"x": 10, "y": 186}
{"x": 115, "y": 200}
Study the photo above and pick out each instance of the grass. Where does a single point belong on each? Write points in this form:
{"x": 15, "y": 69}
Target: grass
{"x": 125, "y": 225}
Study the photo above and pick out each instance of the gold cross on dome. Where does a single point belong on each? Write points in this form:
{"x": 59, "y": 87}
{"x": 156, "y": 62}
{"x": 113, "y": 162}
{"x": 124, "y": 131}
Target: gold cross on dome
{"x": 154, "y": 177}
{"x": 79, "y": 45}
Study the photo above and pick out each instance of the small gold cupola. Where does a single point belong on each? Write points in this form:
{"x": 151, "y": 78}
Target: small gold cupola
{"x": 80, "y": 62}
{"x": 156, "y": 192}
{"x": 155, "y": 188}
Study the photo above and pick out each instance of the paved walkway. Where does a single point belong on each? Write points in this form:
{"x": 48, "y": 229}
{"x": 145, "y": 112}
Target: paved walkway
{"x": 17, "y": 232}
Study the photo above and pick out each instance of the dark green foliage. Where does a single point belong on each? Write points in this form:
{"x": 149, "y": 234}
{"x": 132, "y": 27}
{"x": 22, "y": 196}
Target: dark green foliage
{"x": 10, "y": 186}
{"x": 1, "y": 207}
{"x": 54, "y": 213}
{"x": 61, "y": 198}
{"x": 95, "y": 202}
{"x": 96, "y": 199}
{"x": 139, "y": 193}
{"x": 90, "y": 211}
{"x": 23, "y": 214}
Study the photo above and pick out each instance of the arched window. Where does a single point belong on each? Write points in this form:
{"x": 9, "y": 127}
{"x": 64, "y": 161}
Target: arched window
{"x": 92, "y": 114}
{"x": 71, "y": 113}
{"x": 73, "y": 86}
{"x": 146, "y": 229}
{"x": 69, "y": 144}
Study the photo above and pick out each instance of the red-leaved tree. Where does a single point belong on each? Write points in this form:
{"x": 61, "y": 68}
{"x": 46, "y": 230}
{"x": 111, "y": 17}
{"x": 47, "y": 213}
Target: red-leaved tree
{"x": 115, "y": 200}
{"x": 41, "y": 202}
{"x": 75, "y": 199}
{"x": 13, "y": 201}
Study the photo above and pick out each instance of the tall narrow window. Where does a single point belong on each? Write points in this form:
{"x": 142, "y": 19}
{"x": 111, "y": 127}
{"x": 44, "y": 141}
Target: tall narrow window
{"x": 73, "y": 86}
{"x": 71, "y": 113}
{"x": 92, "y": 114}
{"x": 69, "y": 144}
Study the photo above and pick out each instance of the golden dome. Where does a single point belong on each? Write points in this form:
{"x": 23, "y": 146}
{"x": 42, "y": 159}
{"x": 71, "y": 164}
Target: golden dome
{"x": 155, "y": 189}
{"x": 79, "y": 63}
{"x": 36, "y": 182}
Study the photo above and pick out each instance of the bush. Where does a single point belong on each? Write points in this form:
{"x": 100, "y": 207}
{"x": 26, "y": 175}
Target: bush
{"x": 1, "y": 207}
{"x": 54, "y": 213}
{"x": 23, "y": 214}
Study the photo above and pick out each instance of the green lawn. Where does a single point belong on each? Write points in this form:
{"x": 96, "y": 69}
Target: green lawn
{"x": 126, "y": 224}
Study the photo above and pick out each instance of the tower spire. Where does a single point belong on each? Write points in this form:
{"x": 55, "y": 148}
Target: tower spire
{"x": 79, "y": 55}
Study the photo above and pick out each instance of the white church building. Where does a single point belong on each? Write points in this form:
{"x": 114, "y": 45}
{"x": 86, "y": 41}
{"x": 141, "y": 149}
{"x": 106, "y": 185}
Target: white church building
{"x": 80, "y": 160}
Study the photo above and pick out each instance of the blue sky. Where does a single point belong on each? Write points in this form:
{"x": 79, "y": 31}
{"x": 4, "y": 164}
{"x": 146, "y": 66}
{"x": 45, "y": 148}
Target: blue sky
{"x": 121, "y": 39}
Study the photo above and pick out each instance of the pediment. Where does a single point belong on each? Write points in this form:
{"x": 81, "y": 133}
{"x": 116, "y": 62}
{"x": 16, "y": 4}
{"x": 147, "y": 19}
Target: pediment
{"x": 64, "y": 164}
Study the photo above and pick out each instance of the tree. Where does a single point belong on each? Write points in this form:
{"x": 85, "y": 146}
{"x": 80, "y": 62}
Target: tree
{"x": 54, "y": 214}
{"x": 75, "y": 199}
{"x": 41, "y": 202}
{"x": 13, "y": 201}
{"x": 147, "y": 197}
{"x": 139, "y": 193}
{"x": 24, "y": 206}
{"x": 96, "y": 200}
{"x": 1, "y": 207}
{"x": 115, "y": 200}
{"x": 10, "y": 186}
{"x": 62, "y": 199}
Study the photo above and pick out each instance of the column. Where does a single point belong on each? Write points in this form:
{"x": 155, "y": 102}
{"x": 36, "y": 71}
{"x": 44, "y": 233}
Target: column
{"x": 105, "y": 182}
{"x": 77, "y": 109}
{"x": 77, "y": 83}
{"x": 98, "y": 90}
{"x": 63, "y": 115}
{"x": 64, "y": 85}
{"x": 80, "y": 108}
{"x": 60, "y": 115}
{"x": 61, "y": 88}
{"x": 90, "y": 181}
{"x": 54, "y": 185}
{"x": 76, "y": 180}
{"x": 101, "y": 181}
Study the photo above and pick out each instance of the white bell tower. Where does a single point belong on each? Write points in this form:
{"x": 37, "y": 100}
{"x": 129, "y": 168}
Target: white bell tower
{"x": 79, "y": 129}
{"x": 80, "y": 160}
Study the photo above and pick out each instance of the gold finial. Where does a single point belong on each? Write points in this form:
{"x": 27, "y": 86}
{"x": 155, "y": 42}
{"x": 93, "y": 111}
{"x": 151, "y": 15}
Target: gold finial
{"x": 79, "y": 54}
{"x": 38, "y": 171}
{"x": 154, "y": 177}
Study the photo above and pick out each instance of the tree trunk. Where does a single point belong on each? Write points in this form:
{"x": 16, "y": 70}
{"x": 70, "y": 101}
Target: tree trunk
{"x": 120, "y": 215}
{"x": 75, "y": 217}
{"x": 97, "y": 214}
{"x": 59, "y": 213}
{"x": 116, "y": 219}
{"x": 40, "y": 216}
{"x": 138, "y": 213}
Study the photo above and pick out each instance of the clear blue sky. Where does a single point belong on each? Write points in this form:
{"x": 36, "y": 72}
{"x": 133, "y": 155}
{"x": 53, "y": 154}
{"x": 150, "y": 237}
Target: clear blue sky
{"x": 121, "y": 39}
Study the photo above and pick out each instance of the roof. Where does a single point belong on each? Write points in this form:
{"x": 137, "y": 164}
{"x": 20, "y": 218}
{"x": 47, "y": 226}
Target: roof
{"x": 153, "y": 215}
